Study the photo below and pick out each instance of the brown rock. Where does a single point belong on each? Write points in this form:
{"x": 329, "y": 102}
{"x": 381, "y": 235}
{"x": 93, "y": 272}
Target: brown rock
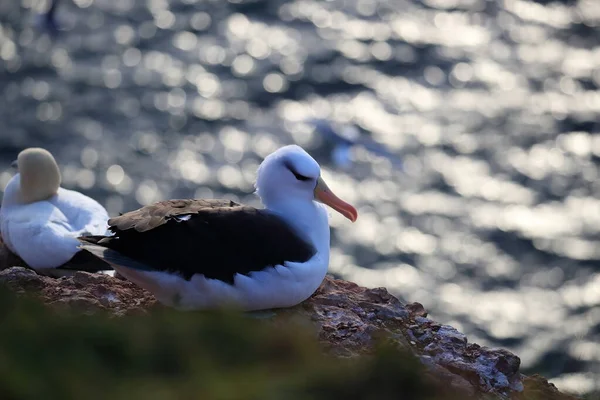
{"x": 416, "y": 310}
{"x": 22, "y": 279}
{"x": 82, "y": 291}
{"x": 351, "y": 317}
{"x": 538, "y": 388}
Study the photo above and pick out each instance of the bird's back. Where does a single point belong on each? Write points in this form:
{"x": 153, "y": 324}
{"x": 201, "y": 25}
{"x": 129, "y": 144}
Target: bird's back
{"x": 83, "y": 213}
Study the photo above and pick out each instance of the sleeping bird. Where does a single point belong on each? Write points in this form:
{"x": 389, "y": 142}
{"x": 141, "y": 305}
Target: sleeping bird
{"x": 40, "y": 221}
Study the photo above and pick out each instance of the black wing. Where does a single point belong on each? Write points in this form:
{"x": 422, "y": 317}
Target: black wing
{"x": 87, "y": 262}
{"x": 219, "y": 238}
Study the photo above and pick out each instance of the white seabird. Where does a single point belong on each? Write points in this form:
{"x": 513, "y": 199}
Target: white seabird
{"x": 40, "y": 221}
{"x": 198, "y": 254}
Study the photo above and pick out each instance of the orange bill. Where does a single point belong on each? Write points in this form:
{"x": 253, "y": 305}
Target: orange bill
{"x": 326, "y": 196}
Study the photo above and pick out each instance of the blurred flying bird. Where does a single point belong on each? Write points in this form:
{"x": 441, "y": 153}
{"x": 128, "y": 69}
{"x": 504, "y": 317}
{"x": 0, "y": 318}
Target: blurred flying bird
{"x": 47, "y": 21}
{"x": 343, "y": 140}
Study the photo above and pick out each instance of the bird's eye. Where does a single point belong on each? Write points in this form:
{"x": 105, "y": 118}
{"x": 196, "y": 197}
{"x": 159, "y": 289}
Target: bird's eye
{"x": 297, "y": 175}
{"x": 300, "y": 177}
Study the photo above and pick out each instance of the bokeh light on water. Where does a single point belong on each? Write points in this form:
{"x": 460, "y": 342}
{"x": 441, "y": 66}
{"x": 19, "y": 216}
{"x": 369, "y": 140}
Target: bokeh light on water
{"x": 493, "y": 106}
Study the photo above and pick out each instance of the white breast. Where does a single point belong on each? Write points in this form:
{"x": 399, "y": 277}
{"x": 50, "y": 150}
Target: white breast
{"x": 274, "y": 287}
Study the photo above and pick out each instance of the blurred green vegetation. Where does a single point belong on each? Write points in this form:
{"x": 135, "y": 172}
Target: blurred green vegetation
{"x": 592, "y": 396}
{"x": 50, "y": 354}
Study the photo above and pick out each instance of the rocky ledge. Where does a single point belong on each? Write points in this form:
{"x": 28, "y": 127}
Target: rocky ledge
{"x": 348, "y": 319}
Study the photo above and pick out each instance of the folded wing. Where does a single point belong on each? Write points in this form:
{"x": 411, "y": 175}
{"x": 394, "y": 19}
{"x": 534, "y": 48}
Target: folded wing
{"x": 216, "y": 238}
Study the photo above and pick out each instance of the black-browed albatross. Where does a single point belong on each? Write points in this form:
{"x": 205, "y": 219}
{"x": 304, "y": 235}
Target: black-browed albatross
{"x": 198, "y": 254}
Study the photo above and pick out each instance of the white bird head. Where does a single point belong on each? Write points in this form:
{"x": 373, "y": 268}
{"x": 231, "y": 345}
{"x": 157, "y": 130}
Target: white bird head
{"x": 39, "y": 175}
{"x": 291, "y": 173}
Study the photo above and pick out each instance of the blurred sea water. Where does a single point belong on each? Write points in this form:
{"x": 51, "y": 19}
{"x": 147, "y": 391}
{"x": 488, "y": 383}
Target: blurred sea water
{"x": 493, "y": 223}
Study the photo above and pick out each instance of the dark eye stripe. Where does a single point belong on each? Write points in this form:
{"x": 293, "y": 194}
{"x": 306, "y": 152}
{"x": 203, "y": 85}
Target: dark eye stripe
{"x": 300, "y": 177}
{"x": 297, "y": 175}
